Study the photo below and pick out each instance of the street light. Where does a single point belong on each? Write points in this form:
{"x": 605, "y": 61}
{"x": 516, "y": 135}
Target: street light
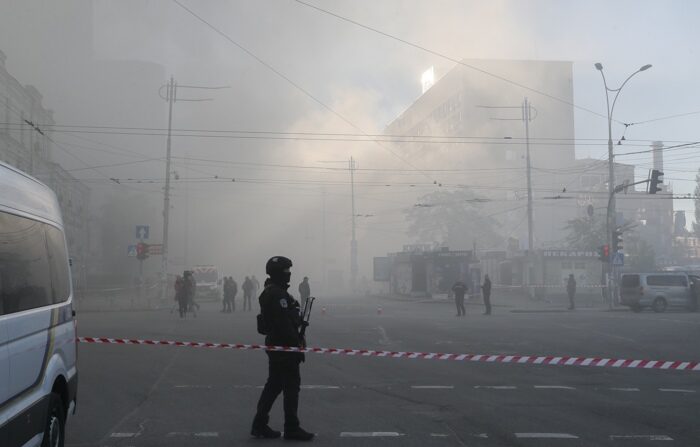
{"x": 611, "y": 164}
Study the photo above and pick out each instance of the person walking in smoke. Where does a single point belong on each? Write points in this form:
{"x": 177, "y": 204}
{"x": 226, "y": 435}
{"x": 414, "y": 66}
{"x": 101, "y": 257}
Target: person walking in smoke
{"x": 304, "y": 291}
{"x": 190, "y": 288}
{"x": 247, "y": 294}
{"x": 234, "y": 292}
{"x": 460, "y": 289}
{"x": 227, "y": 295}
{"x": 181, "y": 296}
{"x": 280, "y": 320}
{"x": 571, "y": 291}
{"x": 486, "y": 292}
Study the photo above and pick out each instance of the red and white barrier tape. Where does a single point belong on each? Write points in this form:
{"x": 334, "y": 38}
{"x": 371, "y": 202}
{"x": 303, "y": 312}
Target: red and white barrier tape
{"x": 518, "y": 359}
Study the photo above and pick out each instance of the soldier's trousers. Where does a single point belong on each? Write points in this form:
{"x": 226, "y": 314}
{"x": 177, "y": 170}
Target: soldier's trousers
{"x": 283, "y": 377}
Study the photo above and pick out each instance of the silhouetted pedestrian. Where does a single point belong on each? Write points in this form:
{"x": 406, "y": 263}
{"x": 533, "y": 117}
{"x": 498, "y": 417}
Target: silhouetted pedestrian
{"x": 486, "y": 293}
{"x": 460, "y": 289}
{"x": 571, "y": 291}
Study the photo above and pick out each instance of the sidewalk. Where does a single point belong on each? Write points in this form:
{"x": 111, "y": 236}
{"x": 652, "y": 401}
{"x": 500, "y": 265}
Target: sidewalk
{"x": 518, "y": 302}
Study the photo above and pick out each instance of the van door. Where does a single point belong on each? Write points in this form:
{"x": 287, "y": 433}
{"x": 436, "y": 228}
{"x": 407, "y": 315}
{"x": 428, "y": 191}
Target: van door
{"x": 27, "y": 293}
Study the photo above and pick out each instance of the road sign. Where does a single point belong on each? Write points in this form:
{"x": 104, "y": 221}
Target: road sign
{"x": 142, "y": 232}
{"x": 618, "y": 258}
{"x": 155, "y": 249}
{"x": 131, "y": 251}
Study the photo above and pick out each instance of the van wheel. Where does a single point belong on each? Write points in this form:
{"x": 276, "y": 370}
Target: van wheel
{"x": 54, "y": 433}
{"x": 659, "y": 305}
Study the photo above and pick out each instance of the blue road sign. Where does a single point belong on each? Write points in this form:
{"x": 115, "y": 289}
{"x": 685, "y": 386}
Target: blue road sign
{"x": 618, "y": 258}
{"x": 142, "y": 232}
{"x": 131, "y": 251}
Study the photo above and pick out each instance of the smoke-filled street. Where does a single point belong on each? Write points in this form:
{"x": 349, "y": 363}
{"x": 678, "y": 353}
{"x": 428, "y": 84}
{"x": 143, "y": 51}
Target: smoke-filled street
{"x": 170, "y": 396}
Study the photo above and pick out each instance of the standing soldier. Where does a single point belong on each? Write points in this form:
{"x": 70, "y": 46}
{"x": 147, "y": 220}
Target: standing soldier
{"x": 460, "y": 289}
{"x": 247, "y": 294}
{"x": 571, "y": 290}
{"x": 486, "y": 292}
{"x": 304, "y": 291}
{"x": 281, "y": 323}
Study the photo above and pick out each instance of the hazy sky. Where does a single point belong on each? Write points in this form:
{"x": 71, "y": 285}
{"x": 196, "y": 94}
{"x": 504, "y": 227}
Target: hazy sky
{"x": 366, "y": 77}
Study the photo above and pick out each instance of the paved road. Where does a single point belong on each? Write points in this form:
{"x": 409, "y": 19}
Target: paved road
{"x": 168, "y": 396}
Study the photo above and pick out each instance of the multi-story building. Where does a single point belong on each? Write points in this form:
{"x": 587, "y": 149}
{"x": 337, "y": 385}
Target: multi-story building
{"x": 486, "y": 113}
{"x": 26, "y": 143}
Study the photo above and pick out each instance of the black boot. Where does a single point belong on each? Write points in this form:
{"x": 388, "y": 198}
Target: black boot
{"x": 262, "y": 430}
{"x": 298, "y": 434}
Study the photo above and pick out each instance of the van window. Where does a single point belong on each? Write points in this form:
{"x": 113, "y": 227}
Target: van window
{"x": 58, "y": 261}
{"x": 630, "y": 280}
{"x": 667, "y": 280}
{"x": 25, "y": 282}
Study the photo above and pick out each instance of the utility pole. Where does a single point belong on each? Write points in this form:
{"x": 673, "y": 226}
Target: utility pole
{"x": 170, "y": 96}
{"x": 353, "y": 242}
{"x": 530, "y": 226}
{"x": 323, "y": 243}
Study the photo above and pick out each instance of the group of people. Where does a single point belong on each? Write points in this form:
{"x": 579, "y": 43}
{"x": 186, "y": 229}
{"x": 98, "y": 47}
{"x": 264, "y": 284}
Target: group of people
{"x": 460, "y": 289}
{"x": 250, "y": 287}
{"x": 185, "y": 291}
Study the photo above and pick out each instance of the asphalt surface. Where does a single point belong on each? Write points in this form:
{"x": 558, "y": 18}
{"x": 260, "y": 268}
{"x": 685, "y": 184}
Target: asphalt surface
{"x": 178, "y": 396}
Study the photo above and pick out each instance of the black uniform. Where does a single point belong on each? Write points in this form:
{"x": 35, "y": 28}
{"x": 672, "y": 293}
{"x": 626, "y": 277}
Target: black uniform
{"x": 281, "y": 314}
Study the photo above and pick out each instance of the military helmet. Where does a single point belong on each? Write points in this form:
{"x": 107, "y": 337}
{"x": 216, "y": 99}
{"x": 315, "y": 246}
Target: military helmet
{"x": 277, "y": 264}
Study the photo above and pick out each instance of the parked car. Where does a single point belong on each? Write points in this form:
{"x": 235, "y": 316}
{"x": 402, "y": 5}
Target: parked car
{"x": 38, "y": 372}
{"x": 659, "y": 290}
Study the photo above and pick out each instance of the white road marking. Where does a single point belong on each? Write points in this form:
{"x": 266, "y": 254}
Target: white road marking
{"x": 546, "y": 435}
{"x": 439, "y": 435}
{"x": 193, "y": 386}
{"x": 647, "y": 437}
{"x": 554, "y": 387}
{"x": 496, "y": 387}
{"x": 370, "y": 434}
{"x": 676, "y": 390}
{"x": 433, "y": 387}
{"x": 201, "y": 434}
{"x": 624, "y": 389}
{"x": 123, "y": 435}
{"x": 481, "y": 435}
{"x": 320, "y": 387}
{"x": 207, "y": 434}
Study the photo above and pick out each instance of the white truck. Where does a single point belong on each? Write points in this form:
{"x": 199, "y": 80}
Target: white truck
{"x": 209, "y": 283}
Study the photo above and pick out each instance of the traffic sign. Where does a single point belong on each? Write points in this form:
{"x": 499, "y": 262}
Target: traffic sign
{"x": 131, "y": 251}
{"x": 618, "y": 258}
{"x": 142, "y": 232}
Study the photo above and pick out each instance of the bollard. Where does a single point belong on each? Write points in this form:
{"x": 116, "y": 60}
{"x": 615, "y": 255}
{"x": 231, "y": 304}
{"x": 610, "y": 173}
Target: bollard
{"x": 323, "y": 310}
{"x": 379, "y": 310}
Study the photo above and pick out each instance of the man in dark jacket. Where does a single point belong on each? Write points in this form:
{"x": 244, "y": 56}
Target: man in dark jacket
{"x": 571, "y": 290}
{"x": 247, "y": 293}
{"x": 486, "y": 292}
{"x": 460, "y": 289}
{"x": 282, "y": 323}
{"x": 304, "y": 291}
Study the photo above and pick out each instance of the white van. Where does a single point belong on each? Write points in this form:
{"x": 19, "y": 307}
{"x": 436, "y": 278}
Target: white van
{"x": 38, "y": 374}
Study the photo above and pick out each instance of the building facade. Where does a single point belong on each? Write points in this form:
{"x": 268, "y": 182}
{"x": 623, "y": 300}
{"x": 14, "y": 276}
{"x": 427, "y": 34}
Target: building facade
{"x": 26, "y": 143}
{"x": 487, "y": 113}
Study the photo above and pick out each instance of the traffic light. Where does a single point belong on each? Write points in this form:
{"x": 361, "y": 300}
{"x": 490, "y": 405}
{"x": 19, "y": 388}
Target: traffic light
{"x": 604, "y": 253}
{"x": 141, "y": 251}
{"x": 617, "y": 241}
{"x": 655, "y": 181}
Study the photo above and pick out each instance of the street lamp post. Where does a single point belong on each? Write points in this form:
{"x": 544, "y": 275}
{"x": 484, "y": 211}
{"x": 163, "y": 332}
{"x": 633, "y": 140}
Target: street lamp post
{"x": 611, "y": 163}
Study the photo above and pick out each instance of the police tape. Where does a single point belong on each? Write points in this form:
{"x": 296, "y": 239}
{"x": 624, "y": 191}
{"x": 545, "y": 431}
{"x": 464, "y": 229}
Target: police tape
{"x": 548, "y": 286}
{"x": 485, "y": 358}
